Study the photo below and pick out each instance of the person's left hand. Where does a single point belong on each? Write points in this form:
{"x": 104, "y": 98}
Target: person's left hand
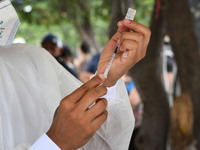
{"x": 132, "y": 38}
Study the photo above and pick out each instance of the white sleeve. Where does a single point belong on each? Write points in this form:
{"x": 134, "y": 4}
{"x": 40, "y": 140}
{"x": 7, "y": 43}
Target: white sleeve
{"x": 44, "y": 142}
{"x": 116, "y": 131}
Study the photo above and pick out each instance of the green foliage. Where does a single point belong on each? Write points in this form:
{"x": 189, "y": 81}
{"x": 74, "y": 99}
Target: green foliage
{"x": 144, "y": 11}
{"x": 33, "y": 33}
{"x": 101, "y": 9}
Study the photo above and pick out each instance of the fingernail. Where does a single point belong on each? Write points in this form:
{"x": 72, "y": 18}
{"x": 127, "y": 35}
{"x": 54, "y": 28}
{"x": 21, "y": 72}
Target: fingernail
{"x": 101, "y": 76}
{"x": 128, "y": 21}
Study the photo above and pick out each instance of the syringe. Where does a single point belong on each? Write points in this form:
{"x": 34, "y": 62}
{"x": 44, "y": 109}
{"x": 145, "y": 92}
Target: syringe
{"x": 129, "y": 15}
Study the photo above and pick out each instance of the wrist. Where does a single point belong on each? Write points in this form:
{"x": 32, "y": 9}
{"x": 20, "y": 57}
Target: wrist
{"x": 64, "y": 145}
{"x": 109, "y": 82}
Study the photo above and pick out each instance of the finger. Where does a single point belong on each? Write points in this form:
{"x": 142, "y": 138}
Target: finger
{"x": 137, "y": 27}
{"x": 129, "y": 45}
{"x": 127, "y": 37}
{"x": 131, "y": 36}
{"x": 80, "y": 92}
{"x": 122, "y": 28}
{"x": 119, "y": 32}
{"x": 91, "y": 96}
{"x": 97, "y": 109}
{"x": 135, "y": 51}
{"x": 113, "y": 42}
{"x": 98, "y": 121}
{"x": 127, "y": 25}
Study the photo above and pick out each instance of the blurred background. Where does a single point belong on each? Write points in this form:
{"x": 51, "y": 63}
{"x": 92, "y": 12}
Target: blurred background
{"x": 164, "y": 87}
{"x": 67, "y": 18}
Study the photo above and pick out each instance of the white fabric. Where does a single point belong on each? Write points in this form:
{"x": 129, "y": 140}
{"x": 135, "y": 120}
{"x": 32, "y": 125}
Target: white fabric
{"x": 9, "y": 23}
{"x": 32, "y": 84}
{"x": 44, "y": 143}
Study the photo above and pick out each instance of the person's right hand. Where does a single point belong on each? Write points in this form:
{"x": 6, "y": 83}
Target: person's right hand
{"x": 132, "y": 38}
{"x": 74, "y": 122}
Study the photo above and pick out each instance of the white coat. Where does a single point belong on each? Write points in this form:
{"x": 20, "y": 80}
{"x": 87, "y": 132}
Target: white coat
{"x": 32, "y": 83}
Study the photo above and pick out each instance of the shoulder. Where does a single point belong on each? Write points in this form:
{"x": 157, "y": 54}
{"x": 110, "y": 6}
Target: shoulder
{"x": 29, "y": 55}
{"x": 31, "y": 52}
{"x": 24, "y": 50}
{"x": 29, "y": 49}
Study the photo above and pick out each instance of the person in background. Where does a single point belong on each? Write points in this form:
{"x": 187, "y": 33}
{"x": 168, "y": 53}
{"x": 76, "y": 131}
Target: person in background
{"x": 53, "y": 45}
{"x": 83, "y": 57}
{"x": 67, "y": 57}
{"x": 167, "y": 50}
{"x": 90, "y": 68}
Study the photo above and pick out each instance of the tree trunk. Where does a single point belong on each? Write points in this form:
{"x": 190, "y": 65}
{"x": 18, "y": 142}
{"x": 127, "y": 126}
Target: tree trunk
{"x": 119, "y": 9}
{"x": 180, "y": 27}
{"x": 85, "y": 29}
{"x": 86, "y": 33}
{"x": 79, "y": 14}
{"x": 147, "y": 76}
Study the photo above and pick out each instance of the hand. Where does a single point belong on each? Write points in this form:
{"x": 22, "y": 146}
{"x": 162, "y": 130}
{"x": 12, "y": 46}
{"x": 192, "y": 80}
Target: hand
{"x": 74, "y": 122}
{"x": 131, "y": 37}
